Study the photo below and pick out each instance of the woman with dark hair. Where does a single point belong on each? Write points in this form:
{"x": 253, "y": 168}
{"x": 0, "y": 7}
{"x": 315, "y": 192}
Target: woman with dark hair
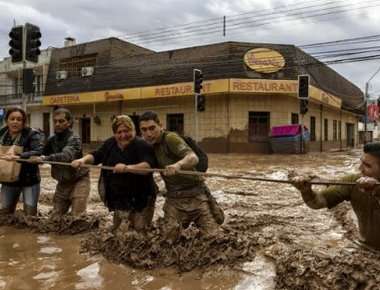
{"x": 28, "y": 183}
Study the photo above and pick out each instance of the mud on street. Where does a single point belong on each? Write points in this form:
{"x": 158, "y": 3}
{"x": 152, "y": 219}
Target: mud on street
{"x": 270, "y": 239}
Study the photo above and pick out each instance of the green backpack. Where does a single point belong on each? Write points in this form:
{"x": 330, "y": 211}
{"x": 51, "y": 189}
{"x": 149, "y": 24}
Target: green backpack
{"x": 202, "y": 156}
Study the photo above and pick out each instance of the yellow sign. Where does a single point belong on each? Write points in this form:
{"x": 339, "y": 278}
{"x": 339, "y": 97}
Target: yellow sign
{"x": 263, "y": 86}
{"x": 234, "y": 86}
{"x": 325, "y": 98}
{"x": 62, "y": 100}
{"x": 264, "y": 60}
{"x": 183, "y": 89}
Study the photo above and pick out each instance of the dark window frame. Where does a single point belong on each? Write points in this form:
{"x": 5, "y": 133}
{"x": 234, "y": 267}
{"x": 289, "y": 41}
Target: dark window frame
{"x": 176, "y": 122}
{"x": 294, "y": 118}
{"x": 313, "y": 122}
{"x": 258, "y": 126}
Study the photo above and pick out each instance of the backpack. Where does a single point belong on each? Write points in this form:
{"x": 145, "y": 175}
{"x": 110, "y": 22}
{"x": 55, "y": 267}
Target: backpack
{"x": 202, "y": 156}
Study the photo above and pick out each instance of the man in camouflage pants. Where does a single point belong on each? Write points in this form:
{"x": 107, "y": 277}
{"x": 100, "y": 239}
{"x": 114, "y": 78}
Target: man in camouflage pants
{"x": 188, "y": 198}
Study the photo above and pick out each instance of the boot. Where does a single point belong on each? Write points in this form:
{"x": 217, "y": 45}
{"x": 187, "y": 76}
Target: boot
{"x": 9, "y": 210}
{"x": 30, "y": 210}
{"x": 6, "y": 211}
{"x": 116, "y": 221}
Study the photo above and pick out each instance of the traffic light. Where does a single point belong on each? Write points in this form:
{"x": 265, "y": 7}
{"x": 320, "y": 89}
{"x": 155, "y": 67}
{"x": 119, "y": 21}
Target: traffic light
{"x": 201, "y": 103}
{"x": 16, "y": 43}
{"x": 198, "y": 79}
{"x": 28, "y": 81}
{"x": 303, "y": 87}
{"x": 33, "y": 43}
{"x": 303, "y": 106}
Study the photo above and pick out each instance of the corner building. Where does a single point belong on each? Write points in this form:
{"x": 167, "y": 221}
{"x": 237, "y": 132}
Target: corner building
{"x": 248, "y": 88}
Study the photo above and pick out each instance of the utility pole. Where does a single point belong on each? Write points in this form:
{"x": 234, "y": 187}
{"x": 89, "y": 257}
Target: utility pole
{"x": 303, "y": 96}
{"x": 365, "y": 112}
{"x": 199, "y": 100}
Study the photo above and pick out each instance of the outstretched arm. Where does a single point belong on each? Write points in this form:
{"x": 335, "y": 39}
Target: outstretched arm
{"x": 313, "y": 199}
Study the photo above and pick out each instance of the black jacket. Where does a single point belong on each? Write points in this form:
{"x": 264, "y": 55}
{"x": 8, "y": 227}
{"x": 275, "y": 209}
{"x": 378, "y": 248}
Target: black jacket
{"x": 126, "y": 191}
{"x": 32, "y": 142}
{"x": 64, "y": 147}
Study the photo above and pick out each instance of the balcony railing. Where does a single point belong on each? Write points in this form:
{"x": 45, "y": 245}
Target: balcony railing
{"x": 16, "y": 99}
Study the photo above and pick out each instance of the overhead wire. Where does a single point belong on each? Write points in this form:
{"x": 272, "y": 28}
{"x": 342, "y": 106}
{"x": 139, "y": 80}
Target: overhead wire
{"x": 206, "y": 31}
{"x": 231, "y": 62}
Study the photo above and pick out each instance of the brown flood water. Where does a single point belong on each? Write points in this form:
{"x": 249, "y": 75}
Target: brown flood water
{"x": 270, "y": 239}
{"x": 40, "y": 261}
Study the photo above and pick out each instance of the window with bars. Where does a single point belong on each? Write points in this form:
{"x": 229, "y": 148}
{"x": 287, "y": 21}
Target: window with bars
{"x": 73, "y": 65}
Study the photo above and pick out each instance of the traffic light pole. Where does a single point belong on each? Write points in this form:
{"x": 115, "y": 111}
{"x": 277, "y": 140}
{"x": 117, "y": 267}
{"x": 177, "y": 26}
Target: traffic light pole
{"x": 23, "y": 96}
{"x": 302, "y": 149}
{"x": 195, "y": 117}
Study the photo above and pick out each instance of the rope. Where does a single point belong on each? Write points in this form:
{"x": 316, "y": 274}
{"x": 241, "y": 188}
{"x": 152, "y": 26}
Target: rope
{"x": 197, "y": 173}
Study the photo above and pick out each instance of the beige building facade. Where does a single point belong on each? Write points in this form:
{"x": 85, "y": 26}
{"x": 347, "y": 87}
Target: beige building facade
{"x": 238, "y": 116}
{"x": 249, "y": 88}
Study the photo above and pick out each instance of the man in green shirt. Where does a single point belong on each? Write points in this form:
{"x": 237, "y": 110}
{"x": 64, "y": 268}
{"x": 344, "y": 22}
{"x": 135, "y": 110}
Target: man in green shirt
{"x": 187, "y": 198}
{"x": 364, "y": 196}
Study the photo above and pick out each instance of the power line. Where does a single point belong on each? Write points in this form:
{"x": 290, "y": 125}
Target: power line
{"x": 200, "y": 32}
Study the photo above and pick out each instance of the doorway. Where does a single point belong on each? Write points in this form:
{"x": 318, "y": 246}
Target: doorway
{"x": 85, "y": 126}
{"x": 350, "y": 130}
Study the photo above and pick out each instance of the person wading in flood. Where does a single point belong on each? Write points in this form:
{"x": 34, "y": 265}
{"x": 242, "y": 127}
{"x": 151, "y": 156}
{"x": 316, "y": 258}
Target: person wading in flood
{"x": 131, "y": 196}
{"x": 16, "y": 133}
{"x": 187, "y": 197}
{"x": 364, "y": 196}
{"x": 73, "y": 186}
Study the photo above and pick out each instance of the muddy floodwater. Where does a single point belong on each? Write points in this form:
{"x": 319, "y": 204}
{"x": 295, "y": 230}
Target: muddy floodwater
{"x": 270, "y": 239}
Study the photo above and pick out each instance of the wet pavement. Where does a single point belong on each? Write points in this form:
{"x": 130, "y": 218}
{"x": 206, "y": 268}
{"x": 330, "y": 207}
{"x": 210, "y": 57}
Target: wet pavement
{"x": 270, "y": 239}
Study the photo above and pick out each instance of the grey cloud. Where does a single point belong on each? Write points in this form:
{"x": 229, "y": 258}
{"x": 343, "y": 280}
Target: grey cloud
{"x": 88, "y": 20}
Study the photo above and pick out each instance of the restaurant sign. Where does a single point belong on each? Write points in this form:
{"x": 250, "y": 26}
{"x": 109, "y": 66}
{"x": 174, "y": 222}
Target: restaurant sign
{"x": 264, "y": 60}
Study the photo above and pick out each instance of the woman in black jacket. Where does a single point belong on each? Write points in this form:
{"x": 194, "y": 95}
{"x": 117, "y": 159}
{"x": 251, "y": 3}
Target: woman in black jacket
{"x": 17, "y": 133}
{"x": 131, "y": 196}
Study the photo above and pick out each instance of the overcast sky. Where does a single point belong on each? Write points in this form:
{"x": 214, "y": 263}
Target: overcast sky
{"x": 167, "y": 24}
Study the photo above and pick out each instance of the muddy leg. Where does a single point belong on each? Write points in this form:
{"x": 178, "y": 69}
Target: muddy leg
{"x": 30, "y": 210}
{"x": 206, "y": 221}
{"x": 60, "y": 207}
{"x": 142, "y": 221}
{"x": 79, "y": 195}
{"x": 9, "y": 198}
{"x": 31, "y": 194}
{"x": 78, "y": 206}
{"x": 171, "y": 225}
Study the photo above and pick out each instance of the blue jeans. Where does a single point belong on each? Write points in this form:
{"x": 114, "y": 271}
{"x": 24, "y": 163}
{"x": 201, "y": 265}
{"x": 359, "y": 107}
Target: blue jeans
{"x": 11, "y": 194}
